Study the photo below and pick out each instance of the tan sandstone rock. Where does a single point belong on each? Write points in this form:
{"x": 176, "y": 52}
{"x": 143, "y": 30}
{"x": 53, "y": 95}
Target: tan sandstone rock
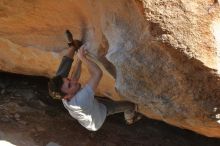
{"x": 162, "y": 55}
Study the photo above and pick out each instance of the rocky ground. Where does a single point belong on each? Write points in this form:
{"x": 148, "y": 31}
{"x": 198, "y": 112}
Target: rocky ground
{"x": 30, "y": 118}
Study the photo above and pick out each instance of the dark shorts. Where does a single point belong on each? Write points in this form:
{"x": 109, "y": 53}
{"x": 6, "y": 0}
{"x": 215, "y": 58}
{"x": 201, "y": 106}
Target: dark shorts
{"x": 64, "y": 67}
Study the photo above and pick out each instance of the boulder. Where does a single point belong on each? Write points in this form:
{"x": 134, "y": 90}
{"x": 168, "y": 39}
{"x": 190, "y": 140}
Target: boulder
{"x": 162, "y": 55}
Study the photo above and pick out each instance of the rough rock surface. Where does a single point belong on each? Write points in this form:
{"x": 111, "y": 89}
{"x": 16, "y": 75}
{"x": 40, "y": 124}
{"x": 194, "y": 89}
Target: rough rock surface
{"x": 165, "y": 55}
{"x": 40, "y": 121}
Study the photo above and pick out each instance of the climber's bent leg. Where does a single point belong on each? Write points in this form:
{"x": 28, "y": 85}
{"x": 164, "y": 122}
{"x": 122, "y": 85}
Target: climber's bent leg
{"x": 114, "y": 107}
{"x": 67, "y": 60}
{"x": 66, "y": 63}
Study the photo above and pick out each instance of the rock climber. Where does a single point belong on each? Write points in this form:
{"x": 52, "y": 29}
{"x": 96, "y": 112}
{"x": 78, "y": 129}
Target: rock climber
{"x": 81, "y": 104}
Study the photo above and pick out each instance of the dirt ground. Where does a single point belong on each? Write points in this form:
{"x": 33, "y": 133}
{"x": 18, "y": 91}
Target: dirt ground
{"x": 28, "y": 117}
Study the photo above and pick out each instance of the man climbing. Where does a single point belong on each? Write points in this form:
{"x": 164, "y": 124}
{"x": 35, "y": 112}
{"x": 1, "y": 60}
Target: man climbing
{"x": 80, "y": 102}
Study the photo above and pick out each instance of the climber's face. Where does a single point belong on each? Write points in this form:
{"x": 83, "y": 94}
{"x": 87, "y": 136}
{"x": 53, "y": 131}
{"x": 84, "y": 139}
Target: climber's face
{"x": 70, "y": 87}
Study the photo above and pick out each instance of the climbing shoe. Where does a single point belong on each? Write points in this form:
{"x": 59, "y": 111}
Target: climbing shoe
{"x": 134, "y": 119}
{"x": 73, "y": 43}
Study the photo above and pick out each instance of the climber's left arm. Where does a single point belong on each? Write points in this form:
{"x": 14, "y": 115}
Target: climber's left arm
{"x": 77, "y": 71}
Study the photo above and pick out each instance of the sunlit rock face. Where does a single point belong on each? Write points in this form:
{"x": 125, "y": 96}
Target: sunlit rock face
{"x": 162, "y": 55}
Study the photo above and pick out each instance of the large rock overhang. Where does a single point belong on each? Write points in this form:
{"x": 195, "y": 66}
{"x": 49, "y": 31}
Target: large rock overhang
{"x": 162, "y": 55}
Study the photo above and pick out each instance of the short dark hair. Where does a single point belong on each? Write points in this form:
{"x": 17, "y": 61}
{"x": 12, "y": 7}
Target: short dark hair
{"x": 54, "y": 87}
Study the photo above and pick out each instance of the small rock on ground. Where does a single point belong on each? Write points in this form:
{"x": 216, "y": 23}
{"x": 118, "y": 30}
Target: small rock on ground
{"x": 52, "y": 144}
